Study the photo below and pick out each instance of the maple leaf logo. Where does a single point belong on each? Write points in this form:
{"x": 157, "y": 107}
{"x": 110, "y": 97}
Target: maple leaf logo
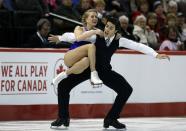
{"x": 60, "y": 69}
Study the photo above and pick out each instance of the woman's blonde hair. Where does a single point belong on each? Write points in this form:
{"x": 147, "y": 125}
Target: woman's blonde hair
{"x": 86, "y": 14}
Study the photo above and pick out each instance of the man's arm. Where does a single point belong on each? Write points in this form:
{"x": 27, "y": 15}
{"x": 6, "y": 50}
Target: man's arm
{"x": 123, "y": 42}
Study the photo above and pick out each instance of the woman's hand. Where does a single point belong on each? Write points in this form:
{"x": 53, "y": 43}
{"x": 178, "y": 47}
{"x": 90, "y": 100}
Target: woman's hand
{"x": 163, "y": 56}
{"x": 99, "y": 32}
{"x": 53, "y": 38}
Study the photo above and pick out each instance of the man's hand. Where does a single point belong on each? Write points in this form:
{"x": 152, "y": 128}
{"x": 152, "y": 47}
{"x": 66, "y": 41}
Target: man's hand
{"x": 163, "y": 56}
{"x": 53, "y": 38}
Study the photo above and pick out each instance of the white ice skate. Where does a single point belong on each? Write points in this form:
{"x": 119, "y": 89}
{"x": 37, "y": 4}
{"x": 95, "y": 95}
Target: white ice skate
{"x": 95, "y": 80}
{"x": 57, "y": 79}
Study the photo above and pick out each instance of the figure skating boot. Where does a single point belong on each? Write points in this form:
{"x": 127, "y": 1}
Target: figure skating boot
{"x": 94, "y": 78}
{"x": 58, "y": 78}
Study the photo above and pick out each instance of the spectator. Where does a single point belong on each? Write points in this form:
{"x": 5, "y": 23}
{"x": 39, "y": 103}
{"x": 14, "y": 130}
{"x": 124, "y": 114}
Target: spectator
{"x": 172, "y": 7}
{"x": 172, "y": 42}
{"x": 161, "y": 18}
{"x": 153, "y": 36}
{"x": 99, "y": 5}
{"x": 126, "y": 30}
{"x": 135, "y": 4}
{"x": 40, "y": 38}
{"x": 182, "y": 28}
{"x": 171, "y": 19}
{"x": 143, "y": 8}
{"x": 152, "y": 21}
{"x": 181, "y": 6}
{"x": 165, "y": 5}
{"x": 140, "y": 29}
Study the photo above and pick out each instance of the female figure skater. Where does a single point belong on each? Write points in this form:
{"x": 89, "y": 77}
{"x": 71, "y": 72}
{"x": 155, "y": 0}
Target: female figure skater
{"x": 82, "y": 52}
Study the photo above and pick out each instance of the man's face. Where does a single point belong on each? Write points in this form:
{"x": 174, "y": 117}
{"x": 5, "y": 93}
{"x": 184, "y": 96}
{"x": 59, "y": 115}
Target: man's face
{"x": 123, "y": 24}
{"x": 45, "y": 30}
{"x": 110, "y": 29}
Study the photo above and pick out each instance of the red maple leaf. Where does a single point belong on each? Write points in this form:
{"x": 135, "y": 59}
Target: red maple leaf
{"x": 60, "y": 69}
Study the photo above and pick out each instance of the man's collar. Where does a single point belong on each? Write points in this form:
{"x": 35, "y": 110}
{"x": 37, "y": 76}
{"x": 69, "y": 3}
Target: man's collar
{"x": 39, "y": 35}
{"x": 111, "y": 38}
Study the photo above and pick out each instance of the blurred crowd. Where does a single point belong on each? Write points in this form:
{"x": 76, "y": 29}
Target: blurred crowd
{"x": 160, "y": 24}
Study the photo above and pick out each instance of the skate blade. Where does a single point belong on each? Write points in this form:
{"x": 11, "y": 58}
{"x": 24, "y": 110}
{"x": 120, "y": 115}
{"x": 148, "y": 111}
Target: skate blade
{"x": 108, "y": 129}
{"x": 59, "y": 127}
{"x": 97, "y": 85}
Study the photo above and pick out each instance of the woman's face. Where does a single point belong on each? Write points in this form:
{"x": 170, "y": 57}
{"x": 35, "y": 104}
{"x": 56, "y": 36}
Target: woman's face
{"x": 142, "y": 23}
{"x": 171, "y": 22}
{"x": 159, "y": 9}
{"x": 152, "y": 21}
{"x": 110, "y": 29}
{"x": 172, "y": 34}
{"x": 173, "y": 9}
{"x": 144, "y": 8}
{"x": 181, "y": 21}
{"x": 92, "y": 19}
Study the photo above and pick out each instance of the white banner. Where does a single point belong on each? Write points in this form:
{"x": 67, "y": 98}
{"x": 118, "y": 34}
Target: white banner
{"x": 25, "y": 79}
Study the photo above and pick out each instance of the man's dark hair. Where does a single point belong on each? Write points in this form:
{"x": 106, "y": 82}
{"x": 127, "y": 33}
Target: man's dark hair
{"x": 41, "y": 22}
{"x": 114, "y": 21}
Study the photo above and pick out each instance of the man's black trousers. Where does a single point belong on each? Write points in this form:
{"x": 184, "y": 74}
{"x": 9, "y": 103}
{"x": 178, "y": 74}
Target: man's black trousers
{"x": 110, "y": 78}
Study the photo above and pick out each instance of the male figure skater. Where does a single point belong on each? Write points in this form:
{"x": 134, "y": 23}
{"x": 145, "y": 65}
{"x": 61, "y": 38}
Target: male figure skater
{"x": 105, "y": 48}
